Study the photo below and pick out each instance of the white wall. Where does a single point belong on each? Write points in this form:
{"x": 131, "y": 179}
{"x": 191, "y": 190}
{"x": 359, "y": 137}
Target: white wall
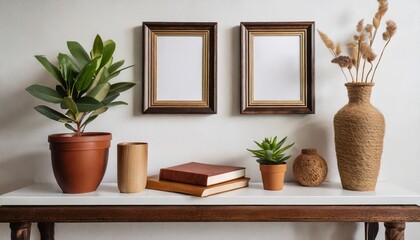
{"x": 29, "y": 27}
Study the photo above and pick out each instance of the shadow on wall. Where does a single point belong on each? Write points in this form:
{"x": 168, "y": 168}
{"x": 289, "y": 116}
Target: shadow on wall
{"x": 235, "y": 71}
{"x": 20, "y": 171}
{"x": 17, "y": 112}
{"x": 211, "y": 231}
{"x": 310, "y": 135}
{"x": 137, "y": 70}
{"x": 19, "y": 166}
{"x": 339, "y": 231}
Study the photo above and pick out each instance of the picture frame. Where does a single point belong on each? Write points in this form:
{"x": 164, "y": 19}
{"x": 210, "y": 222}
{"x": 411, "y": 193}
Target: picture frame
{"x": 277, "y": 68}
{"x": 180, "y": 67}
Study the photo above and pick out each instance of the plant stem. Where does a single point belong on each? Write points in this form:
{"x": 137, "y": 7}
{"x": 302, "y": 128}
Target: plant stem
{"x": 79, "y": 125}
{"x": 379, "y": 61}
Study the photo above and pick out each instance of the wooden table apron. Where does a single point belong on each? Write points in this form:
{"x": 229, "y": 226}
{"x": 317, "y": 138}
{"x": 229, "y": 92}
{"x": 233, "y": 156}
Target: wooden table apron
{"x": 207, "y": 213}
{"x": 21, "y": 217}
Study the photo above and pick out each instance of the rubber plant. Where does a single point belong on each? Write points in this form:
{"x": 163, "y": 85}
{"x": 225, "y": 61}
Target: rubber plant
{"x": 83, "y": 87}
{"x": 271, "y": 156}
{"x": 83, "y": 91}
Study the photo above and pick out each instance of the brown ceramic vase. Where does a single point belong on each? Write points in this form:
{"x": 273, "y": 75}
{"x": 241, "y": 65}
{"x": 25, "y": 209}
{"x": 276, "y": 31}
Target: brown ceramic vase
{"x": 359, "y": 130}
{"x": 79, "y": 162}
{"x": 273, "y": 176}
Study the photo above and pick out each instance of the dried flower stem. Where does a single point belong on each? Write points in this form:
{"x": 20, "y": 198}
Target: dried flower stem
{"x": 335, "y": 55}
{"x": 370, "y": 70}
{"x": 358, "y": 59}
{"x": 363, "y": 71}
{"x": 379, "y": 60}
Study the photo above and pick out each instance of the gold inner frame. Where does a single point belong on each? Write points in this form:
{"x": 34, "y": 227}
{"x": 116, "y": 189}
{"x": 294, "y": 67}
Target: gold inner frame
{"x": 153, "y": 90}
{"x": 250, "y": 62}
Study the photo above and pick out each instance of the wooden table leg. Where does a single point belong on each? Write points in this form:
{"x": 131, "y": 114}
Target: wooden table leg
{"x": 371, "y": 230}
{"x": 394, "y": 230}
{"x": 20, "y": 231}
{"x": 46, "y": 230}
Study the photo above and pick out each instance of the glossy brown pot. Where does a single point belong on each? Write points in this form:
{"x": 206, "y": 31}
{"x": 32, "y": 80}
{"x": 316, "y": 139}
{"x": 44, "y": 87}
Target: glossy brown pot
{"x": 79, "y": 162}
{"x": 273, "y": 176}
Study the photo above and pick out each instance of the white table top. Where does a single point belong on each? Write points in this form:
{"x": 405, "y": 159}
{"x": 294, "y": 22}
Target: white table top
{"x": 329, "y": 193}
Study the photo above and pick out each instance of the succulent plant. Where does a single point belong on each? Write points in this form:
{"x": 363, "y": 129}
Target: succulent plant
{"x": 271, "y": 151}
{"x": 83, "y": 90}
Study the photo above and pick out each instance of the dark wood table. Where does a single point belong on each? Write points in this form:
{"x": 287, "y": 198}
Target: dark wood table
{"x": 170, "y": 207}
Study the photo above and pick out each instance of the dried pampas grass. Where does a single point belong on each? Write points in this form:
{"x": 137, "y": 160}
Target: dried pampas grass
{"x": 360, "y": 47}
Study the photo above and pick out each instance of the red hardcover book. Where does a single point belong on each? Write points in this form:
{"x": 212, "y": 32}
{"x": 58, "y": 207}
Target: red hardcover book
{"x": 201, "y": 174}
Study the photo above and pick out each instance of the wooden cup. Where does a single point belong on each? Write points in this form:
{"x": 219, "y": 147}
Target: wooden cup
{"x": 132, "y": 167}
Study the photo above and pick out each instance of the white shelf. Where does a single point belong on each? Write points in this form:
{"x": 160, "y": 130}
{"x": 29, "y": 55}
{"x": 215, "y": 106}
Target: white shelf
{"x": 329, "y": 193}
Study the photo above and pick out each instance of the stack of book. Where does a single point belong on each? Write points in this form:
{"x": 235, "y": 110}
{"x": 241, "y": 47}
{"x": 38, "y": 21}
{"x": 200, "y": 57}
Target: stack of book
{"x": 199, "y": 179}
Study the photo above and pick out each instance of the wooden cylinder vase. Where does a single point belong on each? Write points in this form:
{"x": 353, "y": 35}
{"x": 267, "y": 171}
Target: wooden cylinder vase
{"x": 132, "y": 166}
{"x": 359, "y": 130}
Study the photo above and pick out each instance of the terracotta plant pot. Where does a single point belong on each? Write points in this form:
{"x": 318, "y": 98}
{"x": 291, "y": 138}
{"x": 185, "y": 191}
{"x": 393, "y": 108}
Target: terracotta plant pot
{"x": 79, "y": 162}
{"x": 273, "y": 176}
{"x": 359, "y": 130}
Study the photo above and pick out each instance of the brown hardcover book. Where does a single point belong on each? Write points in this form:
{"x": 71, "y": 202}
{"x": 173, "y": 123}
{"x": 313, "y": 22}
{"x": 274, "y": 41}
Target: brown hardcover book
{"x": 201, "y": 174}
{"x": 199, "y": 191}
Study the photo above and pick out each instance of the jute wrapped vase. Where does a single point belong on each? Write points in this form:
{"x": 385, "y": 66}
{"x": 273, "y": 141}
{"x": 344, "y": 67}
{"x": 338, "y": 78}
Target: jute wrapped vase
{"x": 359, "y": 130}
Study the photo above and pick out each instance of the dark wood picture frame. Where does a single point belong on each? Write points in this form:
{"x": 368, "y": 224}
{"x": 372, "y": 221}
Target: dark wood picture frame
{"x": 169, "y": 98}
{"x": 300, "y": 34}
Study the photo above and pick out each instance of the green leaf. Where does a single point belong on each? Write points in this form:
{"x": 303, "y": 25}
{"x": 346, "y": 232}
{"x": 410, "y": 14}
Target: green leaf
{"x": 71, "y": 115}
{"x": 78, "y": 52}
{"x": 98, "y": 79}
{"x": 85, "y": 77}
{"x": 273, "y": 143}
{"x": 70, "y": 127}
{"x": 99, "y": 111}
{"x": 109, "y": 98}
{"x": 118, "y": 103}
{"x": 52, "y": 114}
{"x": 281, "y": 142}
{"x": 74, "y": 66}
{"x": 65, "y": 67}
{"x": 266, "y": 145}
{"x": 121, "y": 86}
{"x": 114, "y": 67}
{"x": 71, "y": 105}
{"x": 100, "y": 91}
{"x": 53, "y": 70}
{"x": 88, "y": 104}
{"x": 258, "y": 144}
{"x": 116, "y": 73}
{"x": 263, "y": 161}
{"x": 287, "y": 147}
{"x": 60, "y": 90}
{"x": 97, "y": 47}
{"x": 45, "y": 93}
{"x": 107, "y": 52}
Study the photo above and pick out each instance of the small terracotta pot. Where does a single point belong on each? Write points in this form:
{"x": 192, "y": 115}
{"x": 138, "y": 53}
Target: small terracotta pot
{"x": 79, "y": 162}
{"x": 273, "y": 176}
